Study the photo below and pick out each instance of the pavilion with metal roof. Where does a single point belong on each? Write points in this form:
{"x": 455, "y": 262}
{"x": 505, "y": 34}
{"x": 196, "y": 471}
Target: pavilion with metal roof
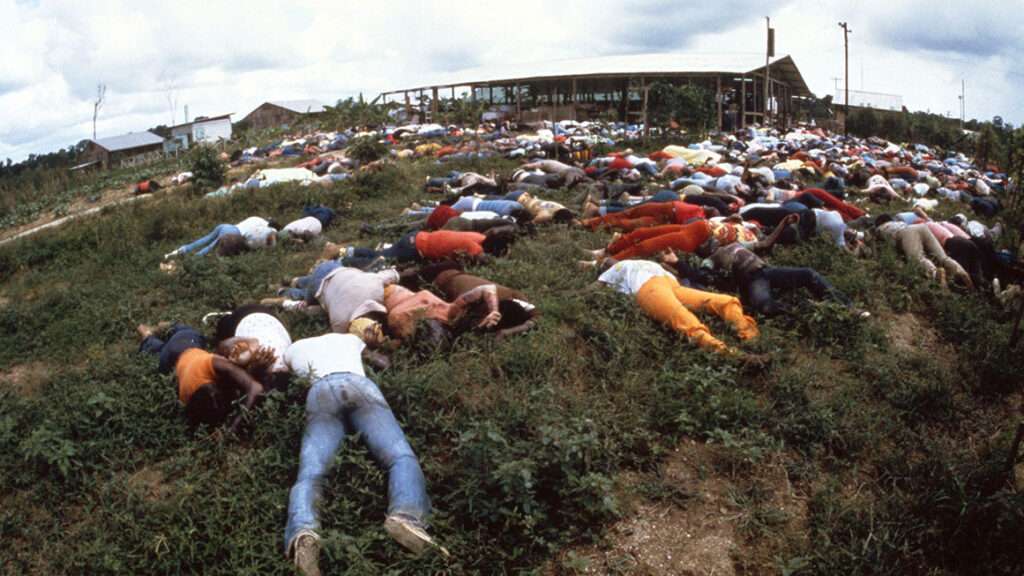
{"x": 581, "y": 89}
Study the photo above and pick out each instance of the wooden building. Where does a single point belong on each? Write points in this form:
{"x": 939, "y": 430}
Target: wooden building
{"x": 130, "y": 149}
{"x": 591, "y": 88}
{"x": 281, "y": 114}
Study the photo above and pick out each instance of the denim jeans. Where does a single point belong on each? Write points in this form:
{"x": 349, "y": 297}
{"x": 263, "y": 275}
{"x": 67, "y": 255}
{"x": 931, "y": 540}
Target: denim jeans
{"x": 307, "y": 286}
{"x": 179, "y": 338}
{"x": 756, "y": 289}
{"x": 345, "y": 403}
{"x": 208, "y": 242}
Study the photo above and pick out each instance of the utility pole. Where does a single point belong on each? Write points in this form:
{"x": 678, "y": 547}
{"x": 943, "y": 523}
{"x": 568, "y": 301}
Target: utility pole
{"x": 963, "y": 102}
{"x": 768, "y": 53}
{"x": 101, "y": 96}
{"x": 846, "y": 60}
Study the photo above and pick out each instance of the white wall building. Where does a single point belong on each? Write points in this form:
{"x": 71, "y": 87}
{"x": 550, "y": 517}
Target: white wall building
{"x": 199, "y": 130}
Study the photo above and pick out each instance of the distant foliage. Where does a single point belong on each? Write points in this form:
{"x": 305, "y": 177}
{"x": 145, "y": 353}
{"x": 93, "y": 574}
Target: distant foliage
{"x": 691, "y": 107}
{"x": 207, "y": 168}
{"x": 366, "y": 149}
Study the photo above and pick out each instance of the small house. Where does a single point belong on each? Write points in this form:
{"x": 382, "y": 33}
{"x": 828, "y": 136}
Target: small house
{"x": 202, "y": 129}
{"x": 281, "y": 114}
{"x": 130, "y": 149}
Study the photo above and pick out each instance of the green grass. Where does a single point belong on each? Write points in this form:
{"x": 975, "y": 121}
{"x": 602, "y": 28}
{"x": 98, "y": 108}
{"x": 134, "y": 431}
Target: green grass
{"x": 524, "y": 441}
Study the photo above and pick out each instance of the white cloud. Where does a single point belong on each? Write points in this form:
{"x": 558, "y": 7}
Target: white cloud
{"x": 229, "y": 57}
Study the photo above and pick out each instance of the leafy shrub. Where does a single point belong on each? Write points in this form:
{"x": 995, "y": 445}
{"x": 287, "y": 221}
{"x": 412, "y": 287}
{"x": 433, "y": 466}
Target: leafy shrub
{"x": 208, "y": 170}
{"x": 366, "y": 149}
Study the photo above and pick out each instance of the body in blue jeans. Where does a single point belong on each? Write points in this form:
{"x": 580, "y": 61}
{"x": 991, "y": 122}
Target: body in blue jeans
{"x": 178, "y": 339}
{"x": 346, "y": 403}
{"x": 208, "y": 242}
{"x": 307, "y": 286}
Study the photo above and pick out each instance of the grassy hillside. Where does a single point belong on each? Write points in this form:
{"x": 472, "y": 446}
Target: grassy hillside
{"x": 891, "y": 434}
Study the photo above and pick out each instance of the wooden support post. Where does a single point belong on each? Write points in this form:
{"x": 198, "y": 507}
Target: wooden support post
{"x": 573, "y": 98}
{"x": 433, "y": 106}
{"x": 490, "y": 94}
{"x": 743, "y": 101}
{"x": 408, "y": 107}
{"x": 519, "y": 103}
{"x": 718, "y": 99}
{"x": 647, "y": 124}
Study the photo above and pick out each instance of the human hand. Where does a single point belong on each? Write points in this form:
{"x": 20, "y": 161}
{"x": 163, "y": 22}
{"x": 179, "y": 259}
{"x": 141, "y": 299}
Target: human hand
{"x": 669, "y": 256}
{"x": 490, "y": 320}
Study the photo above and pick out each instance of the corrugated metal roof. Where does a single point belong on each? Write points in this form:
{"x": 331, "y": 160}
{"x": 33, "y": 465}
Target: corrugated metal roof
{"x": 629, "y": 64}
{"x": 128, "y": 141}
{"x": 300, "y": 106}
{"x": 201, "y": 120}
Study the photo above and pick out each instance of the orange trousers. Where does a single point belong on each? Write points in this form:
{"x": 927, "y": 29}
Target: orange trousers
{"x": 649, "y": 241}
{"x": 663, "y": 299}
{"x": 658, "y": 211}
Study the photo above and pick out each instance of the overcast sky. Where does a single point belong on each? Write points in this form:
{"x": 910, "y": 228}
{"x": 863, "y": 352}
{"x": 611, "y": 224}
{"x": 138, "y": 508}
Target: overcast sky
{"x": 219, "y": 57}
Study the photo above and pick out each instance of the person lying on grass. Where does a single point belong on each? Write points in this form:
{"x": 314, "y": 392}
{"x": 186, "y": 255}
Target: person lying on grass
{"x": 687, "y": 238}
{"x": 255, "y": 231}
{"x": 919, "y": 245}
{"x": 254, "y": 338}
{"x": 660, "y": 296}
{"x": 517, "y": 313}
{"x": 208, "y": 384}
{"x": 477, "y": 308}
{"x": 343, "y": 401}
{"x": 417, "y": 246}
{"x": 758, "y": 282}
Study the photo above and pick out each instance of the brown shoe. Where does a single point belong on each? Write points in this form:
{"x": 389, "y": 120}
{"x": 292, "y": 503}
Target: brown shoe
{"x": 307, "y": 553}
{"x": 411, "y": 536}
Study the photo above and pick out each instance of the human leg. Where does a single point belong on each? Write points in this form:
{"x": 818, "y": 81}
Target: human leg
{"x": 658, "y": 300}
{"x": 686, "y": 239}
{"x": 932, "y": 247}
{"x": 324, "y": 433}
{"x": 726, "y": 307}
{"x": 911, "y": 243}
{"x": 370, "y": 416}
{"x": 637, "y": 236}
{"x": 207, "y": 243}
{"x": 966, "y": 253}
{"x": 756, "y": 293}
{"x": 786, "y": 278}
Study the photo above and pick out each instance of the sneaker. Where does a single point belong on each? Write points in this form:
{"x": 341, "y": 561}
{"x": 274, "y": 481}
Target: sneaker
{"x": 293, "y": 304}
{"x": 171, "y": 254}
{"x": 411, "y": 536}
{"x": 306, "y": 547}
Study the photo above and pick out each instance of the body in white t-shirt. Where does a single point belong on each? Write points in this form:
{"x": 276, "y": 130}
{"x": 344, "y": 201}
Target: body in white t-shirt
{"x": 271, "y": 334}
{"x": 629, "y": 276}
{"x": 306, "y": 228}
{"x": 324, "y": 355}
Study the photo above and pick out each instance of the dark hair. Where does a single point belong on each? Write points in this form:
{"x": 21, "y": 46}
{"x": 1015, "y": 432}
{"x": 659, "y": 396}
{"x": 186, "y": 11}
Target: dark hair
{"x": 521, "y": 215}
{"x": 230, "y": 245}
{"x": 882, "y": 219}
{"x": 208, "y": 405}
{"x": 430, "y": 337}
{"x": 512, "y": 314}
{"x": 498, "y": 244}
{"x": 563, "y": 215}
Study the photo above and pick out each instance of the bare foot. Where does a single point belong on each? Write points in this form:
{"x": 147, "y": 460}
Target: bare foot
{"x": 145, "y": 331}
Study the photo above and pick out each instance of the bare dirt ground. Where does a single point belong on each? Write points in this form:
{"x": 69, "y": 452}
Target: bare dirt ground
{"x": 696, "y": 530}
{"x": 25, "y": 380}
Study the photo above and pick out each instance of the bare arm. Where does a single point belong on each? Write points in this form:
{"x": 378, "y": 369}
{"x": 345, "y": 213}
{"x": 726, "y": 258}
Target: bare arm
{"x": 489, "y": 294}
{"x": 231, "y": 375}
{"x": 768, "y": 242}
{"x": 524, "y": 327}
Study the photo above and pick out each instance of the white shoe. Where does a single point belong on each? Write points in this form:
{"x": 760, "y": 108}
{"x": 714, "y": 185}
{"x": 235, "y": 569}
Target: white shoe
{"x": 171, "y": 254}
{"x": 411, "y": 536}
